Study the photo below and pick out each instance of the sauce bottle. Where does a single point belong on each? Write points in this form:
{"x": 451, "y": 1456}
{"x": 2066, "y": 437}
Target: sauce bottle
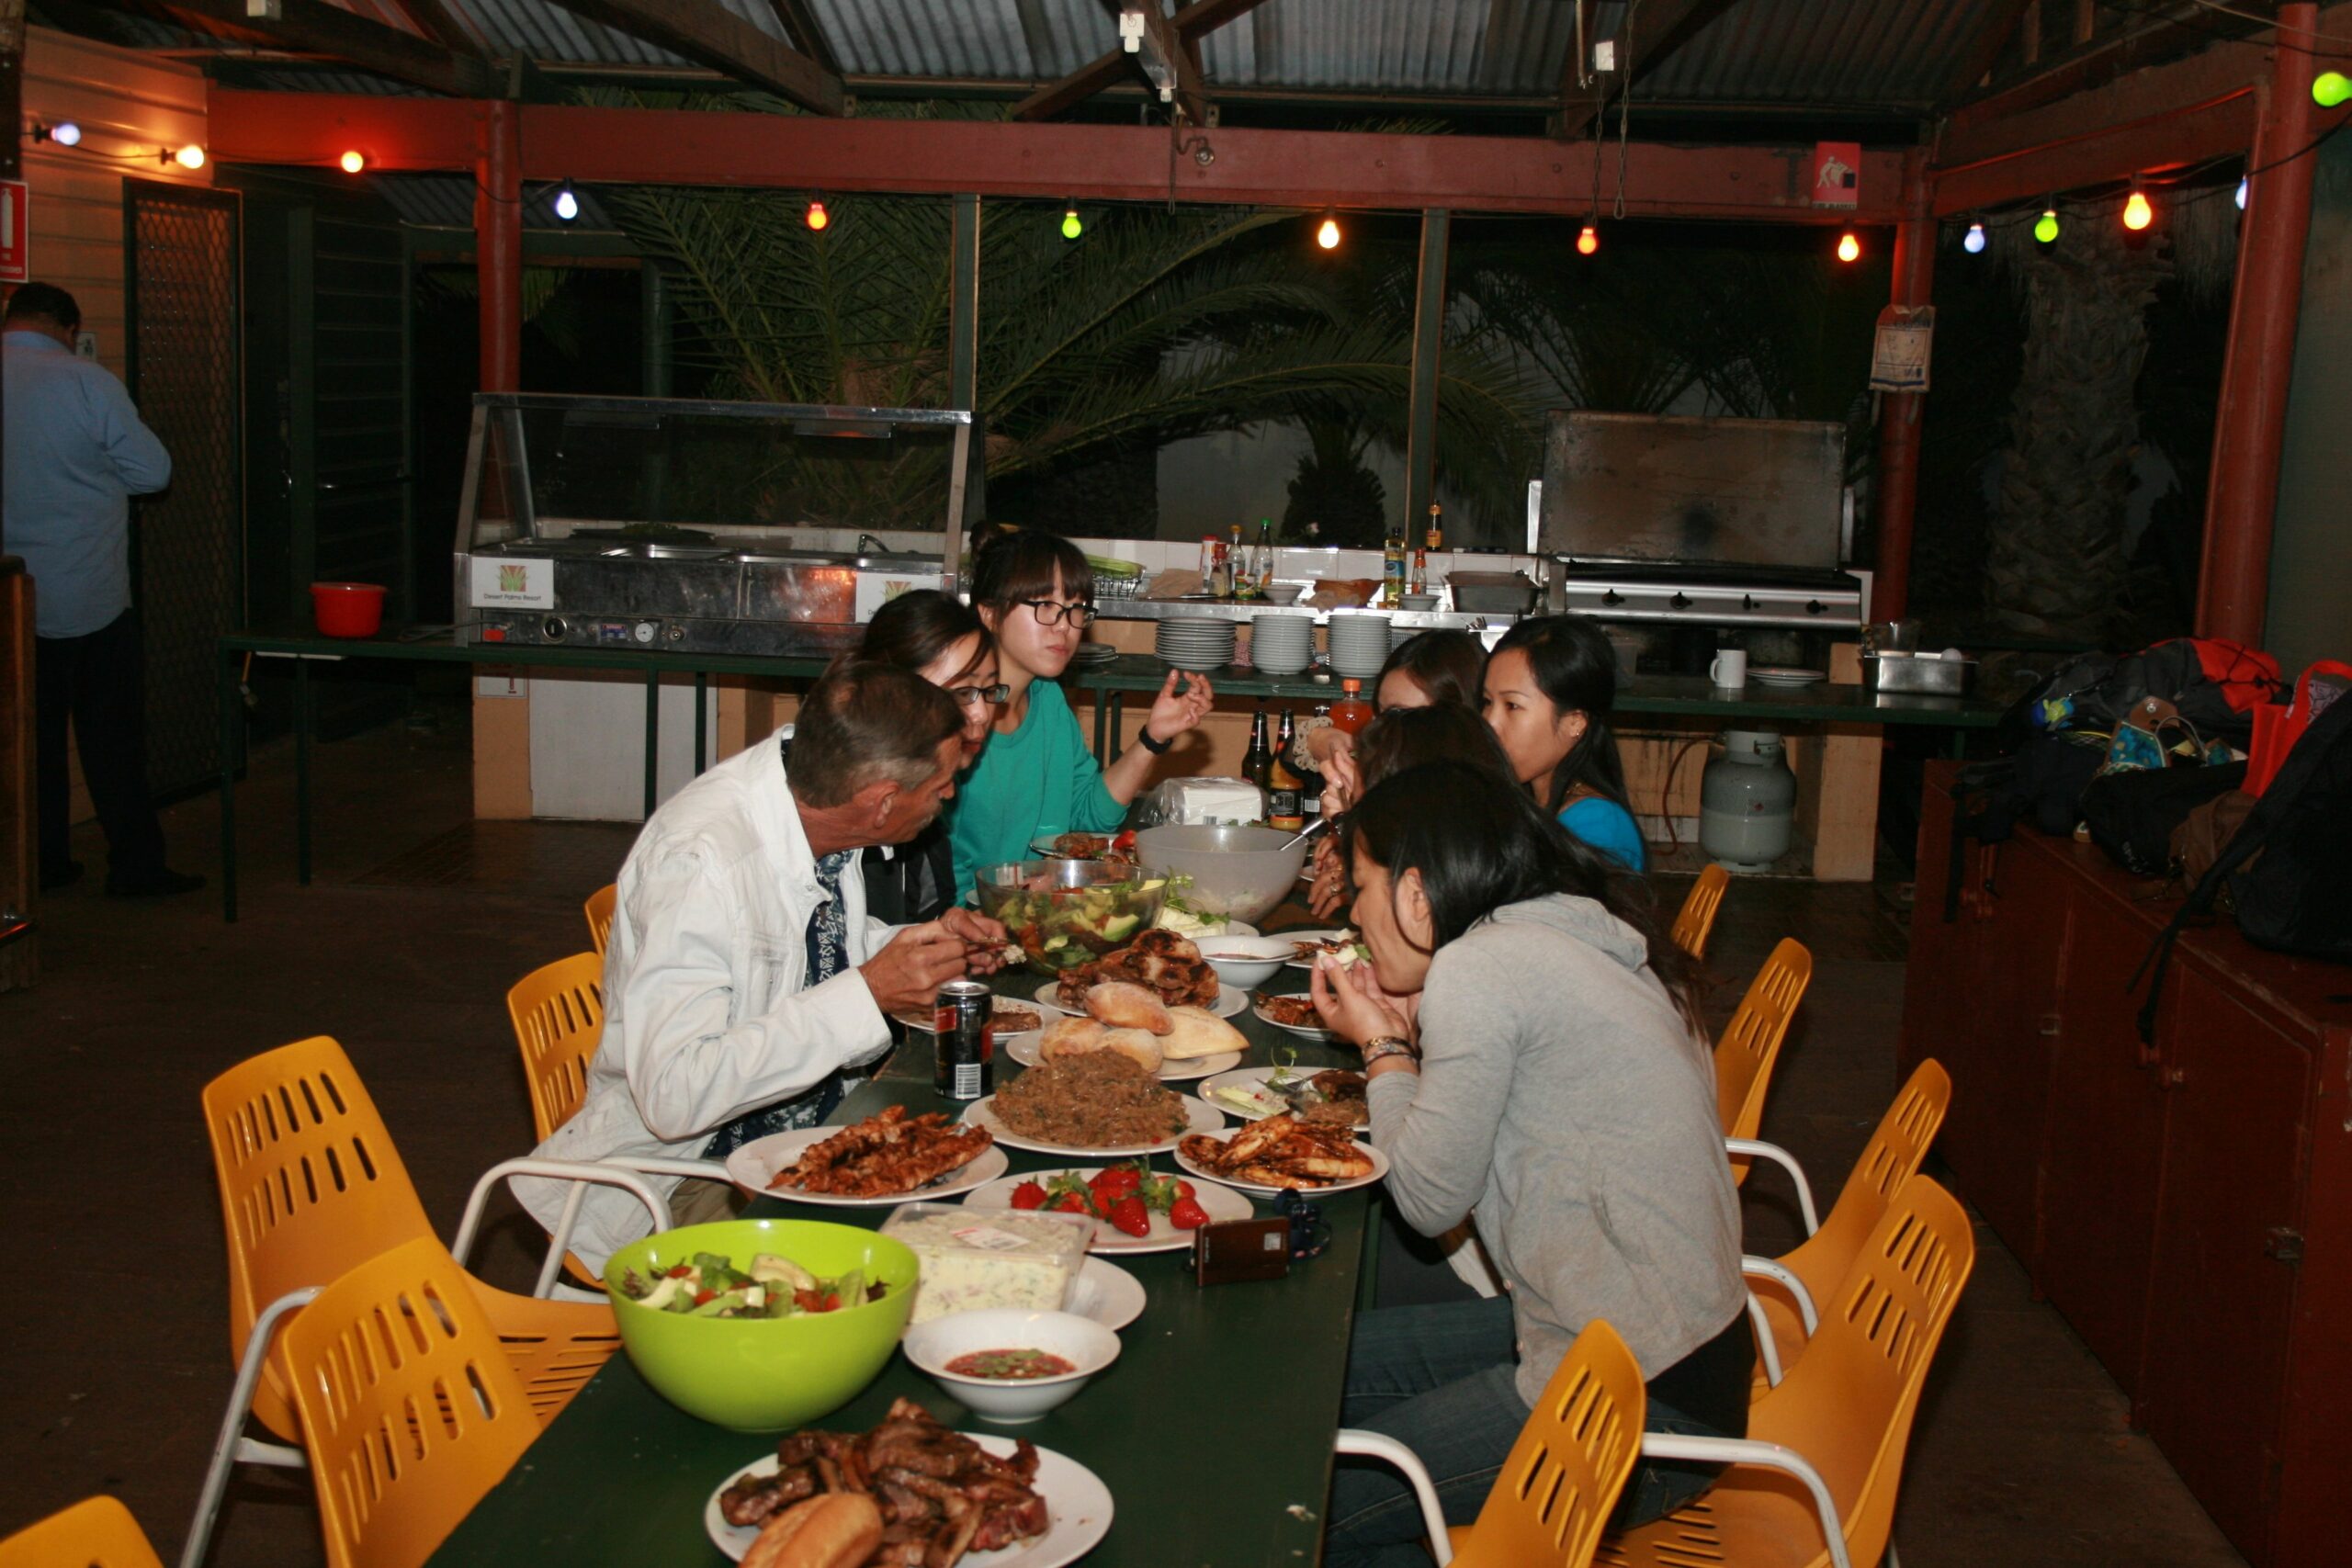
{"x": 1351, "y": 713}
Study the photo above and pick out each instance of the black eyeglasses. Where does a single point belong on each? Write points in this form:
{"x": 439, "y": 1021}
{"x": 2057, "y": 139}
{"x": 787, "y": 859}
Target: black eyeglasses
{"x": 979, "y": 696}
{"x": 1051, "y": 614}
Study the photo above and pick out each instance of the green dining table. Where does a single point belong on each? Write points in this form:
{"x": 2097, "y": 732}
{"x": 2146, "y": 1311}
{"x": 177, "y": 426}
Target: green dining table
{"x": 1212, "y": 1429}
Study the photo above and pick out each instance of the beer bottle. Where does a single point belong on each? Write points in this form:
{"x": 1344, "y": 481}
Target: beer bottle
{"x": 1254, "y": 761}
{"x": 1284, "y": 787}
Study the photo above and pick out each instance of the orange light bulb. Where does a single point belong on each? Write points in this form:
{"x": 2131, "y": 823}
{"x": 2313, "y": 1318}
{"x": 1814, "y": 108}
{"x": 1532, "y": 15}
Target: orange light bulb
{"x": 2137, "y": 213}
{"x": 189, "y": 157}
{"x": 353, "y": 161}
{"x": 818, "y": 216}
{"x": 1848, "y": 248}
{"x": 1588, "y": 241}
{"x": 1328, "y": 236}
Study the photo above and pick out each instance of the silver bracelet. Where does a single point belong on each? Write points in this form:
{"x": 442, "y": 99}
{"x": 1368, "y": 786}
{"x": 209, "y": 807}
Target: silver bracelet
{"x": 1388, "y": 1045}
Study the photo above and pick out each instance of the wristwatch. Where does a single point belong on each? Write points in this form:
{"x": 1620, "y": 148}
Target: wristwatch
{"x": 1156, "y": 748}
{"x": 1388, "y": 1045}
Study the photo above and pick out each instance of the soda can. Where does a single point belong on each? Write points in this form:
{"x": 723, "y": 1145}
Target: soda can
{"x": 964, "y": 1040}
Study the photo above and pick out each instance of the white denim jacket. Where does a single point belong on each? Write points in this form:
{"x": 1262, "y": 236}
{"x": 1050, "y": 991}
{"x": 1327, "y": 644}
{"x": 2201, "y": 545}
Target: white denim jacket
{"x": 706, "y": 1016}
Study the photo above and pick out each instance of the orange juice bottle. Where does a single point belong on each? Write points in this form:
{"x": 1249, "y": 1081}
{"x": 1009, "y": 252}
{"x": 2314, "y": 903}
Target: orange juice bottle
{"x": 1351, "y": 713}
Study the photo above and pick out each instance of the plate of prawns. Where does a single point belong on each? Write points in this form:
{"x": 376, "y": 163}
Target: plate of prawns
{"x": 1284, "y": 1153}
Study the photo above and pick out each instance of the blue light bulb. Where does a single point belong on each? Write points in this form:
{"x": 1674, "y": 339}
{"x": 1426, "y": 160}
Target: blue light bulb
{"x": 567, "y": 204}
{"x": 1973, "y": 240}
{"x": 2241, "y": 184}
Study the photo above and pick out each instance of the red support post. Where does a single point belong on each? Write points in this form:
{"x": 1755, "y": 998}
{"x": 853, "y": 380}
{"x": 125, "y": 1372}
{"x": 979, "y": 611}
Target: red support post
{"x": 1898, "y": 424}
{"x": 2242, "y": 495}
{"x": 498, "y": 246}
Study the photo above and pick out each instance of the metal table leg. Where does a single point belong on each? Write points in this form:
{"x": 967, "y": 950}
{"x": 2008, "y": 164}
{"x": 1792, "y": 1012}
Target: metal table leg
{"x": 1118, "y": 706}
{"x": 229, "y": 713}
{"x": 652, "y": 734}
{"x": 302, "y": 772}
{"x": 702, "y": 721}
{"x": 1101, "y": 730}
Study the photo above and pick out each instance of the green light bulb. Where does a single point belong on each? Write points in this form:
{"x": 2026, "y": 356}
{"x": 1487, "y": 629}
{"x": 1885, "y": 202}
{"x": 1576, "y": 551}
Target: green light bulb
{"x": 2330, "y": 88}
{"x": 1071, "y": 227}
{"x": 2046, "y": 229}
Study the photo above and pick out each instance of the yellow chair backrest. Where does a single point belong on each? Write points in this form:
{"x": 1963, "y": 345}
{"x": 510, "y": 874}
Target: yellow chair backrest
{"x": 558, "y": 1013}
{"x": 599, "y": 911}
{"x": 1697, "y": 916}
{"x": 410, "y": 1412}
{"x": 309, "y": 1185}
{"x": 1562, "y": 1476}
{"x": 1751, "y": 1041}
{"x": 97, "y": 1532}
{"x": 1847, "y": 1403}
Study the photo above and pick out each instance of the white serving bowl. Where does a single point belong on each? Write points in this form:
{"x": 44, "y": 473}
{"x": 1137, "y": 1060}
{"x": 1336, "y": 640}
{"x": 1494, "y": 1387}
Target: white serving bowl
{"x": 1241, "y": 872}
{"x": 1082, "y": 1341}
{"x": 1245, "y": 962}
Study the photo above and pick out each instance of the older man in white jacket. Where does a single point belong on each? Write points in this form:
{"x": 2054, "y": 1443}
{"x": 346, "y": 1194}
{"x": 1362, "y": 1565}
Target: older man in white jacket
{"x": 743, "y": 974}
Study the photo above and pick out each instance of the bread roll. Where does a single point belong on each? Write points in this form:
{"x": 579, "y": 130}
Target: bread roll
{"x": 1196, "y": 1032}
{"x": 1069, "y": 1036}
{"x": 1140, "y": 1045}
{"x": 840, "y": 1529}
{"x": 1124, "y": 1006}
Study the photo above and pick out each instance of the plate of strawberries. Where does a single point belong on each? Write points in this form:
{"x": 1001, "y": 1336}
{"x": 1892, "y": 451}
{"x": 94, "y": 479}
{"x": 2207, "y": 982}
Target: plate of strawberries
{"x": 1139, "y": 1209}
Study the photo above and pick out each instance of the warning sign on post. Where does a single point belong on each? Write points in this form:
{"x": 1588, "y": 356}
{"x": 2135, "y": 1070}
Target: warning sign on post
{"x": 15, "y": 231}
{"x": 1899, "y": 358}
{"x": 1837, "y": 174}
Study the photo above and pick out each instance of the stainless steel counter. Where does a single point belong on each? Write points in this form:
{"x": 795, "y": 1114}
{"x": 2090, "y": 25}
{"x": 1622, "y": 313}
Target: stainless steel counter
{"x": 1244, "y": 610}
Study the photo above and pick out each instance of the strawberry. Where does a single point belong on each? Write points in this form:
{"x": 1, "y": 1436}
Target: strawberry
{"x": 1068, "y": 1204}
{"x": 1129, "y": 1215}
{"x": 1028, "y": 1195}
{"x": 1116, "y": 1180}
{"x": 1186, "y": 1213}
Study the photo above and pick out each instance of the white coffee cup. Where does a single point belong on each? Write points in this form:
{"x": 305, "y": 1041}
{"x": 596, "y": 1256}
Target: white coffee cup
{"x": 1729, "y": 670}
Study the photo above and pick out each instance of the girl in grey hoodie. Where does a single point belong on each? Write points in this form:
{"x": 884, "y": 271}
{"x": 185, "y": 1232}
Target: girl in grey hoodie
{"x": 1529, "y": 1067}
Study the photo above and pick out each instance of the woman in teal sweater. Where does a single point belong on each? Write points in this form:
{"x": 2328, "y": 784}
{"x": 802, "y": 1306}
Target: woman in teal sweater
{"x": 1035, "y": 776}
{"x": 1551, "y": 683}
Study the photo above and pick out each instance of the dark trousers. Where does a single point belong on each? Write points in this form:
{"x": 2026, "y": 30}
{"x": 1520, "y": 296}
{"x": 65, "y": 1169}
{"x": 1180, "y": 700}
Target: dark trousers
{"x": 98, "y": 680}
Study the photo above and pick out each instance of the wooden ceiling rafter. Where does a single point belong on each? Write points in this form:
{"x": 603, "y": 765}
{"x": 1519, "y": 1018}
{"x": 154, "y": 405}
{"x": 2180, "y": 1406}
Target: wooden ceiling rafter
{"x": 1191, "y": 101}
{"x": 1660, "y": 28}
{"x": 1188, "y": 26}
{"x": 801, "y": 24}
{"x": 710, "y": 35}
{"x": 313, "y": 27}
{"x": 1984, "y": 51}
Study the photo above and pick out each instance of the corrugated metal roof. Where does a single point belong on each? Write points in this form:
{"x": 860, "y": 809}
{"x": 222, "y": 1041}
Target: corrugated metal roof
{"x": 1017, "y": 41}
{"x": 1803, "y": 51}
{"x": 446, "y": 201}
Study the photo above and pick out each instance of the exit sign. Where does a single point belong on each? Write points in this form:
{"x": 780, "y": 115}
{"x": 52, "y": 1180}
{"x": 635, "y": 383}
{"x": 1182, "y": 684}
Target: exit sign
{"x": 16, "y": 237}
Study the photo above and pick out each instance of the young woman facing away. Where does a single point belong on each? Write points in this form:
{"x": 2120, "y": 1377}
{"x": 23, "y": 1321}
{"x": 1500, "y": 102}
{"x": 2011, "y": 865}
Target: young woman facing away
{"x": 1035, "y": 591}
{"x": 941, "y": 639}
{"x": 1550, "y": 684}
{"x": 1530, "y": 1061}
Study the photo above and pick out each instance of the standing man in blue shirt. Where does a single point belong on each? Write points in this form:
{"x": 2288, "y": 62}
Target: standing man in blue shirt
{"x": 76, "y": 454}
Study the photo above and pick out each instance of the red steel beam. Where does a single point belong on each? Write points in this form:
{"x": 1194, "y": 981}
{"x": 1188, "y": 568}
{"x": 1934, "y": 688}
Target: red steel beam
{"x": 498, "y": 246}
{"x": 2242, "y": 493}
{"x": 1274, "y": 168}
{"x": 1899, "y": 416}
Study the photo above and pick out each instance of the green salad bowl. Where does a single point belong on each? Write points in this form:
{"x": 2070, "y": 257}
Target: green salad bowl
{"x": 765, "y": 1374}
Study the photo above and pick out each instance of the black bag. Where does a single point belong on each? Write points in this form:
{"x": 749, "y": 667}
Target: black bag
{"x": 2131, "y": 815}
{"x": 2289, "y": 867}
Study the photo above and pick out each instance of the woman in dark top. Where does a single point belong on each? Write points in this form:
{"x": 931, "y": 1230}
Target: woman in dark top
{"x": 941, "y": 639}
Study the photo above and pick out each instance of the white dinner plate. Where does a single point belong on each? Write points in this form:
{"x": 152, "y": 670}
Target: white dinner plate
{"x": 1221, "y": 1202}
{"x": 1229, "y": 999}
{"x": 1198, "y": 1117}
{"x": 755, "y": 1165}
{"x": 1307, "y": 1031}
{"x": 1786, "y": 676}
{"x": 1025, "y": 1049}
{"x": 1252, "y": 1078}
{"x": 1314, "y": 936}
{"x": 1107, "y": 1293}
{"x": 1379, "y": 1169}
{"x": 1077, "y": 1508}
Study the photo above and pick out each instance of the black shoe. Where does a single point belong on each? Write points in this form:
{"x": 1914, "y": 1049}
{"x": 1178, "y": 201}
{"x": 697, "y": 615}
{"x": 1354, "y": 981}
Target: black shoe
{"x": 53, "y": 877}
{"x": 159, "y": 885}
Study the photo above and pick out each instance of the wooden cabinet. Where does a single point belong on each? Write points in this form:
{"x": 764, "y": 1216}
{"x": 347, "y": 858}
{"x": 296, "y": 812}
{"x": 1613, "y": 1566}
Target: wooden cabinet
{"x": 2186, "y": 1203}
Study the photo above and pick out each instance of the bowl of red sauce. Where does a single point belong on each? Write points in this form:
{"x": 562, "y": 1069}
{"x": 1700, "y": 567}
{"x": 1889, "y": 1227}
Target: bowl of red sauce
{"x": 1010, "y": 1365}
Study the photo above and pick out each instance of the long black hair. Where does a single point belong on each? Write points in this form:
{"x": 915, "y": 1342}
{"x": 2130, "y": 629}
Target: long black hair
{"x": 1398, "y": 738}
{"x": 1480, "y": 843}
{"x": 919, "y": 625}
{"x": 1575, "y": 669}
{"x": 1445, "y": 664}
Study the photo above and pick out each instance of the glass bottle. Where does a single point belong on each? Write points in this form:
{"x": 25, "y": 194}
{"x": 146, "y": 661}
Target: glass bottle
{"x": 1310, "y": 791}
{"x": 1254, "y": 761}
{"x": 1392, "y": 568}
{"x": 1417, "y": 581}
{"x": 1244, "y": 586}
{"x": 1265, "y": 554}
{"x": 1351, "y": 713}
{"x": 1434, "y": 540}
{"x": 1284, "y": 808}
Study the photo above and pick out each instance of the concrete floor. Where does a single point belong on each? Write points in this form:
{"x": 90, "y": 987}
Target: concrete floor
{"x": 119, "y": 1357}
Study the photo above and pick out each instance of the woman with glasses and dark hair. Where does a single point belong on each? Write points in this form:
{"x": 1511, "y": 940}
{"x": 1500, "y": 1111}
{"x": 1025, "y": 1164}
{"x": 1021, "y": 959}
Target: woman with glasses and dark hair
{"x": 1573, "y": 1120}
{"x": 1550, "y": 684}
{"x": 941, "y": 639}
{"x": 1035, "y": 593}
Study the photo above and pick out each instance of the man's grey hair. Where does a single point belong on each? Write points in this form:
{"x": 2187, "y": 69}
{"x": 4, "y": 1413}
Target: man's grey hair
{"x": 865, "y": 722}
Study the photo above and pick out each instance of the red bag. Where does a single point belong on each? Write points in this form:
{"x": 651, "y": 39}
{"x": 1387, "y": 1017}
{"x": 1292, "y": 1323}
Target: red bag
{"x": 2248, "y": 676}
{"x": 2277, "y": 727}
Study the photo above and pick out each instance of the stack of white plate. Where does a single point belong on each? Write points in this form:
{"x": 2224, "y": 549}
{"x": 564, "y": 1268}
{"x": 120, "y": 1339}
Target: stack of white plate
{"x": 1282, "y": 644}
{"x": 1196, "y": 644}
{"x": 1359, "y": 643}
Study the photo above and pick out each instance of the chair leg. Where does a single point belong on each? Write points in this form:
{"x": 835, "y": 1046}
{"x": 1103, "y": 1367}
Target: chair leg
{"x": 232, "y": 1447}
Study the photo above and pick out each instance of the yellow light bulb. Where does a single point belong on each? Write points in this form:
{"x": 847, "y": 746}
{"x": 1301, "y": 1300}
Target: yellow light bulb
{"x": 189, "y": 157}
{"x": 353, "y": 161}
{"x": 2137, "y": 213}
{"x": 1588, "y": 241}
{"x": 1848, "y": 248}
{"x": 818, "y": 216}
{"x": 1328, "y": 236}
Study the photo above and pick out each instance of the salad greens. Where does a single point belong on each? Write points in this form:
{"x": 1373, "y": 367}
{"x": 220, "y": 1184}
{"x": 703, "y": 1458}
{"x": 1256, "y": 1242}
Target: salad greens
{"x": 707, "y": 1285}
{"x": 1061, "y": 927}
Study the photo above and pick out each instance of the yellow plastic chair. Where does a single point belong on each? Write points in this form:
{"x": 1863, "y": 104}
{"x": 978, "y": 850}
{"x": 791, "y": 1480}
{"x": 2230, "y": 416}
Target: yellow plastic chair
{"x": 1556, "y": 1488}
{"x": 1696, "y": 918}
{"x": 599, "y": 911}
{"x": 558, "y": 1013}
{"x": 409, "y": 1409}
{"x": 1788, "y": 1286}
{"x": 1751, "y": 1045}
{"x": 310, "y": 1186}
{"x": 97, "y": 1532}
{"x": 1813, "y": 1485}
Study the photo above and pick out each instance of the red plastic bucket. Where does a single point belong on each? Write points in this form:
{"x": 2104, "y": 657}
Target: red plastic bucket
{"x": 347, "y": 609}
